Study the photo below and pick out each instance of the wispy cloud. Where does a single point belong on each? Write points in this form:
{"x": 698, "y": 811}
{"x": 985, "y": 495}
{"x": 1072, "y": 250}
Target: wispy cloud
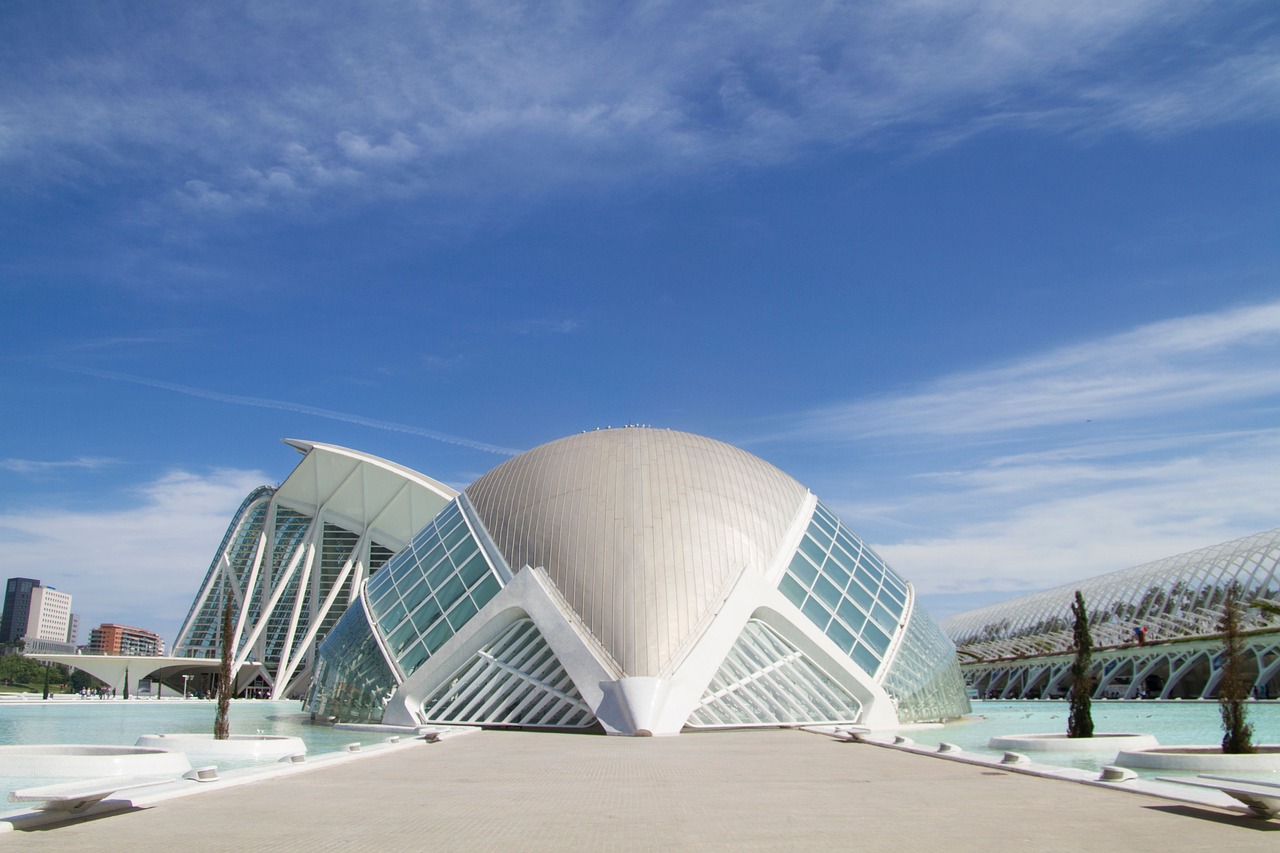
{"x": 35, "y": 466}
{"x": 1177, "y": 365}
{"x": 1000, "y": 483}
{"x": 299, "y": 408}
{"x": 547, "y": 327}
{"x": 1029, "y": 528}
{"x": 231, "y": 107}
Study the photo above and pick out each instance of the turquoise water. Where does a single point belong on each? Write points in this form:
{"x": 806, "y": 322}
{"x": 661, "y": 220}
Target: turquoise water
{"x": 1172, "y": 723}
{"x": 121, "y": 723}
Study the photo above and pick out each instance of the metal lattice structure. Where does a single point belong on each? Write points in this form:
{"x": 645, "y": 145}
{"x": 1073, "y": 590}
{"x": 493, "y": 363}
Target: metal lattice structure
{"x": 1153, "y": 627}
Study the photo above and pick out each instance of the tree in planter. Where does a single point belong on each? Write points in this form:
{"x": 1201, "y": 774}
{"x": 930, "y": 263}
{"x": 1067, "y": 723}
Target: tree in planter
{"x": 221, "y": 720}
{"x": 1080, "y": 722}
{"x": 1233, "y": 690}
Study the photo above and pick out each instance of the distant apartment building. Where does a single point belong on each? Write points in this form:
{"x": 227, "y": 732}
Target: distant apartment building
{"x": 17, "y": 608}
{"x": 50, "y": 615}
{"x": 73, "y": 630}
{"x": 111, "y": 639}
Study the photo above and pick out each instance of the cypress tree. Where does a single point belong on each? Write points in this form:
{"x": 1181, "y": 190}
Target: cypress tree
{"x": 1232, "y": 689}
{"x": 1080, "y": 722}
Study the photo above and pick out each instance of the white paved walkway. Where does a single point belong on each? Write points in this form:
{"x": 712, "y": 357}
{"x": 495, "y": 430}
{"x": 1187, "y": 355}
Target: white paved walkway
{"x": 772, "y": 790}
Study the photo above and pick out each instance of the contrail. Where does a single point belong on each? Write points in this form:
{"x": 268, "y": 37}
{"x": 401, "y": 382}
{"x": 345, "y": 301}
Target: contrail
{"x": 262, "y": 403}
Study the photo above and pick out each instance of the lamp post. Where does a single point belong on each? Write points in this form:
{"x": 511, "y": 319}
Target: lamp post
{"x": 185, "y": 679}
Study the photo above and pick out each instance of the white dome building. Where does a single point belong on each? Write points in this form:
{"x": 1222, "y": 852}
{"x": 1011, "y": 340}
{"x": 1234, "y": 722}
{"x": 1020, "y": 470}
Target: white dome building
{"x": 637, "y": 581}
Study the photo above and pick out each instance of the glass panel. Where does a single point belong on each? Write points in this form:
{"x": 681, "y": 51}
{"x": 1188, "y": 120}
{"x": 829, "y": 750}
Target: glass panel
{"x": 486, "y": 590}
{"x": 865, "y": 659}
{"x": 814, "y": 610}
{"x": 840, "y": 635}
{"x": 437, "y": 636}
{"x": 813, "y": 550}
{"x": 461, "y": 613}
{"x": 473, "y": 570}
{"x": 452, "y": 590}
{"x": 825, "y": 590}
{"x": 792, "y": 590}
{"x": 804, "y": 571}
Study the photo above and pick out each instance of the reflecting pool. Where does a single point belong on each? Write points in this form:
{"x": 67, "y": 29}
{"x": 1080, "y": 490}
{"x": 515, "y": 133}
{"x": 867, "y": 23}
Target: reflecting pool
{"x": 1173, "y": 723}
{"x": 121, "y": 723}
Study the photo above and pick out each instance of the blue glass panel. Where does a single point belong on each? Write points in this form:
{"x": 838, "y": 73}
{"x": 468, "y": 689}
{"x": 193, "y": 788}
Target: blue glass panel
{"x": 861, "y": 597}
{"x": 439, "y": 571}
{"x": 486, "y": 590}
{"x": 452, "y": 590}
{"x": 393, "y": 617}
{"x": 840, "y": 635}
{"x": 437, "y": 636}
{"x": 875, "y": 638}
{"x": 794, "y": 592}
{"x": 863, "y": 657}
{"x": 813, "y": 550}
{"x": 456, "y": 535}
{"x": 851, "y": 615}
{"x": 825, "y": 590}
{"x": 461, "y": 613}
{"x": 473, "y": 570}
{"x": 426, "y": 615}
{"x": 402, "y": 637}
{"x": 814, "y": 610}
{"x": 886, "y": 619}
{"x": 838, "y": 574}
{"x": 415, "y": 657}
{"x": 416, "y": 595}
{"x": 804, "y": 571}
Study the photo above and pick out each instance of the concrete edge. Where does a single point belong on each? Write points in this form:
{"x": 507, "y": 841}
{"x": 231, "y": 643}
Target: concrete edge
{"x": 179, "y": 788}
{"x": 1170, "y": 791}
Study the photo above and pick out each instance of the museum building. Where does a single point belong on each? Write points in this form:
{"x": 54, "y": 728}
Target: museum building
{"x": 632, "y": 581}
{"x": 1155, "y": 629}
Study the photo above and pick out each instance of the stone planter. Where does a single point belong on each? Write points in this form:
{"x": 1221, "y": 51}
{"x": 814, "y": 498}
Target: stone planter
{"x": 256, "y": 747}
{"x": 1200, "y": 759}
{"x": 1059, "y": 742}
{"x": 42, "y": 760}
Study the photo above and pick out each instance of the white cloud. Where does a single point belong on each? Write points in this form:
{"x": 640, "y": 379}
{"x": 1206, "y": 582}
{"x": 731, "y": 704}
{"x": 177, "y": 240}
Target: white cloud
{"x": 37, "y": 466}
{"x": 1177, "y": 365}
{"x": 1000, "y": 486}
{"x": 233, "y": 109}
{"x": 139, "y": 564}
{"x": 1054, "y": 525}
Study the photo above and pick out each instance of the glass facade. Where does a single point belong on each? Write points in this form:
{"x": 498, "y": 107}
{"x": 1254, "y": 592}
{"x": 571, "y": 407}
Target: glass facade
{"x": 239, "y": 545}
{"x": 352, "y": 681}
{"x": 924, "y": 674}
{"x": 845, "y": 589}
{"x": 431, "y": 589}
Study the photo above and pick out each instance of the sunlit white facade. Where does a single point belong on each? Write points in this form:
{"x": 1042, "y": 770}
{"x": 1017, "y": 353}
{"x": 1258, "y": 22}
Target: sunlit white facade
{"x": 635, "y": 581}
{"x": 295, "y": 556}
{"x": 1154, "y": 628}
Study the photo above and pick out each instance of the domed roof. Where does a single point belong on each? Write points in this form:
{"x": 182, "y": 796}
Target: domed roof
{"x": 642, "y": 530}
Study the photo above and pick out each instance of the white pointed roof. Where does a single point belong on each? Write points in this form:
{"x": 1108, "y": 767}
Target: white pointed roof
{"x": 360, "y": 491}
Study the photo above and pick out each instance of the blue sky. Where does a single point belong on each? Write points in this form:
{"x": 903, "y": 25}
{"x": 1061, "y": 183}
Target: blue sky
{"x": 998, "y": 281}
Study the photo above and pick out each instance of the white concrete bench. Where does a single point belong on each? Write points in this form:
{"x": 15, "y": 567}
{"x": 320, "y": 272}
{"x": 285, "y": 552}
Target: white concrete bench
{"x": 1262, "y": 798}
{"x": 81, "y": 794}
{"x": 1238, "y": 779}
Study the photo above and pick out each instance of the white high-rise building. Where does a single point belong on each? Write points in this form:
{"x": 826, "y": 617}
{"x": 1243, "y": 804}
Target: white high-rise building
{"x": 50, "y": 616}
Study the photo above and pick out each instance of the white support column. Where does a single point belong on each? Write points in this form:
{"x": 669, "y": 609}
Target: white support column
{"x": 290, "y": 662}
{"x": 307, "y": 547}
